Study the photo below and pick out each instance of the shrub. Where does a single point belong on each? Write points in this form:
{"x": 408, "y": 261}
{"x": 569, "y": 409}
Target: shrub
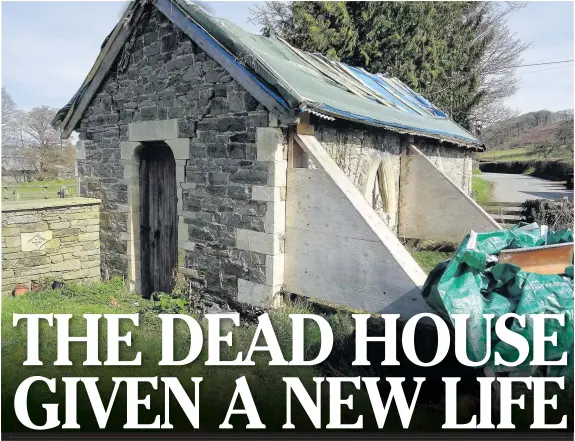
{"x": 557, "y": 215}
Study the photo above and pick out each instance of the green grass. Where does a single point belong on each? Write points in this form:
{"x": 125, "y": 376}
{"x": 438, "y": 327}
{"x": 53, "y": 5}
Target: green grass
{"x": 481, "y": 187}
{"x": 429, "y": 253}
{"x": 427, "y": 260}
{"x": 505, "y": 155}
{"x": 218, "y": 384}
{"x": 38, "y": 189}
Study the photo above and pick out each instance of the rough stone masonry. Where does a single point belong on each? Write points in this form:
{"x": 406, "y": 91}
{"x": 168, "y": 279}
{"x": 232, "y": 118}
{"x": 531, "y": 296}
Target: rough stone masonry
{"x": 230, "y": 157}
{"x": 230, "y": 164}
{"x": 50, "y": 240}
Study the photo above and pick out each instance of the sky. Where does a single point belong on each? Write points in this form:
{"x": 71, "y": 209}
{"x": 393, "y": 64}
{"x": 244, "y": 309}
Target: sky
{"x": 49, "y": 47}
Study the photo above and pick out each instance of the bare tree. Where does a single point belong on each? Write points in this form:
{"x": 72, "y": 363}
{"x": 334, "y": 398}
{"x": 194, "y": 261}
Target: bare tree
{"x": 498, "y": 65}
{"x": 10, "y": 116}
{"x": 12, "y": 162}
{"x": 275, "y": 17}
{"x": 44, "y": 150}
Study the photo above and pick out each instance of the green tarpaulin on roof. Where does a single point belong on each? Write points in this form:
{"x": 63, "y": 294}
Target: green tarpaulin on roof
{"x": 307, "y": 83}
{"x": 298, "y": 80}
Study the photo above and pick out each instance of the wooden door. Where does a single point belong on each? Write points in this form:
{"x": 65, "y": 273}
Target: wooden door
{"x": 158, "y": 219}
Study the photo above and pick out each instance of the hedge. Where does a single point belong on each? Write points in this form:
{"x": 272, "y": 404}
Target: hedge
{"x": 552, "y": 170}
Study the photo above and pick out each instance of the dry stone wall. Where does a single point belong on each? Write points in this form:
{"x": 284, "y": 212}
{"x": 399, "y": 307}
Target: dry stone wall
{"x": 50, "y": 240}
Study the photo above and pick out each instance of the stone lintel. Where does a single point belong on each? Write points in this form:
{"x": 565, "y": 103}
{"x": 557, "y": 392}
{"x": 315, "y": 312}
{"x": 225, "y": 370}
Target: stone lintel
{"x": 156, "y": 130}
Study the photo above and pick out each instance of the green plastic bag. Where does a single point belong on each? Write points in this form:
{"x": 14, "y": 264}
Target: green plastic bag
{"x": 472, "y": 283}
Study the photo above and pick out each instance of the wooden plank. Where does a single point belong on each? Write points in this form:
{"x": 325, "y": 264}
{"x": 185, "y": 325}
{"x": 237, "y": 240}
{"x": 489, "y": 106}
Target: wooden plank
{"x": 501, "y": 204}
{"x": 331, "y": 253}
{"x": 159, "y": 220}
{"x": 225, "y": 59}
{"x": 304, "y": 127}
{"x": 550, "y": 259}
{"x": 433, "y": 207}
{"x": 337, "y": 248}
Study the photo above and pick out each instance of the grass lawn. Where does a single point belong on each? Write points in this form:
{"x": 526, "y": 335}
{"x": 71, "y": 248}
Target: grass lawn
{"x": 427, "y": 259}
{"x": 481, "y": 187}
{"x": 38, "y": 189}
{"x": 517, "y": 154}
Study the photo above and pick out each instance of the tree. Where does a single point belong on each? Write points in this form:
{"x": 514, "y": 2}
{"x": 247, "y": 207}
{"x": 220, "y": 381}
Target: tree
{"x": 45, "y": 150}
{"x": 10, "y": 123}
{"x": 30, "y": 142}
{"x": 565, "y": 132}
{"x": 460, "y": 55}
{"x": 498, "y": 65}
{"x": 12, "y": 161}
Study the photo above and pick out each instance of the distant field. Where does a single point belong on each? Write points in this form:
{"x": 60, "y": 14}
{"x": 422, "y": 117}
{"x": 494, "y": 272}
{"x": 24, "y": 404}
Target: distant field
{"x": 524, "y": 154}
{"x": 38, "y": 189}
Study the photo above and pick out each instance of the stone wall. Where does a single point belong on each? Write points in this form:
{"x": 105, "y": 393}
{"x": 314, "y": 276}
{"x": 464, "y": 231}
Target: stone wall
{"x": 53, "y": 239}
{"x": 359, "y": 150}
{"x": 456, "y": 163}
{"x": 227, "y": 188}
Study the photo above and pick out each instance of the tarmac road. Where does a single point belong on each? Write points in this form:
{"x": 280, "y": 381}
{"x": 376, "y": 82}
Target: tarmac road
{"x": 518, "y": 188}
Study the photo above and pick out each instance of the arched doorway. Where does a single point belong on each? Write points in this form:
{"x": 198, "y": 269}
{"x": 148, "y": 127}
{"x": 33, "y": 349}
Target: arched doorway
{"x": 158, "y": 218}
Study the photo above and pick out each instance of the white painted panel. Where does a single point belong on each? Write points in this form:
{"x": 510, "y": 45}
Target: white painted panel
{"x": 338, "y": 249}
{"x": 434, "y": 207}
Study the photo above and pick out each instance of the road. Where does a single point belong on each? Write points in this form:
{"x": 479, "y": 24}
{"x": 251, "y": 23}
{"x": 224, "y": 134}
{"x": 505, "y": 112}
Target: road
{"x": 518, "y": 188}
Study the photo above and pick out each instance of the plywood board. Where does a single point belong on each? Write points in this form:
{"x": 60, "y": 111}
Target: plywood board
{"x": 338, "y": 249}
{"x": 433, "y": 207}
{"x": 551, "y": 259}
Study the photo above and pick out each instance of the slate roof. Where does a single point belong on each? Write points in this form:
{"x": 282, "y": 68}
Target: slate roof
{"x": 295, "y": 80}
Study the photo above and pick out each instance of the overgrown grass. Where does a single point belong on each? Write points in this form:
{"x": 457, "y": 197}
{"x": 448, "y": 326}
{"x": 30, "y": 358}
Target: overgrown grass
{"x": 38, "y": 189}
{"x": 217, "y": 387}
{"x": 218, "y": 384}
{"x": 428, "y": 260}
{"x": 428, "y": 254}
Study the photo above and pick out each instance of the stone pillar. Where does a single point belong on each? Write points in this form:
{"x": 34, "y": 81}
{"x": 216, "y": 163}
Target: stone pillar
{"x": 271, "y": 150}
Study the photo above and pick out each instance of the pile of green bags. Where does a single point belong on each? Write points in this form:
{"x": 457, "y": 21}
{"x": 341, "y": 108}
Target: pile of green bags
{"x": 473, "y": 283}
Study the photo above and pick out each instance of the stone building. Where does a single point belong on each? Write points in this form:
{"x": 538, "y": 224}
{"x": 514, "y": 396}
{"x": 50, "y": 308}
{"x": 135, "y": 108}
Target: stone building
{"x": 204, "y": 142}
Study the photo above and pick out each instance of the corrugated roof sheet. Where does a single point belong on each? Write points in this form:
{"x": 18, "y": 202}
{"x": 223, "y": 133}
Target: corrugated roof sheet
{"x": 305, "y": 81}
